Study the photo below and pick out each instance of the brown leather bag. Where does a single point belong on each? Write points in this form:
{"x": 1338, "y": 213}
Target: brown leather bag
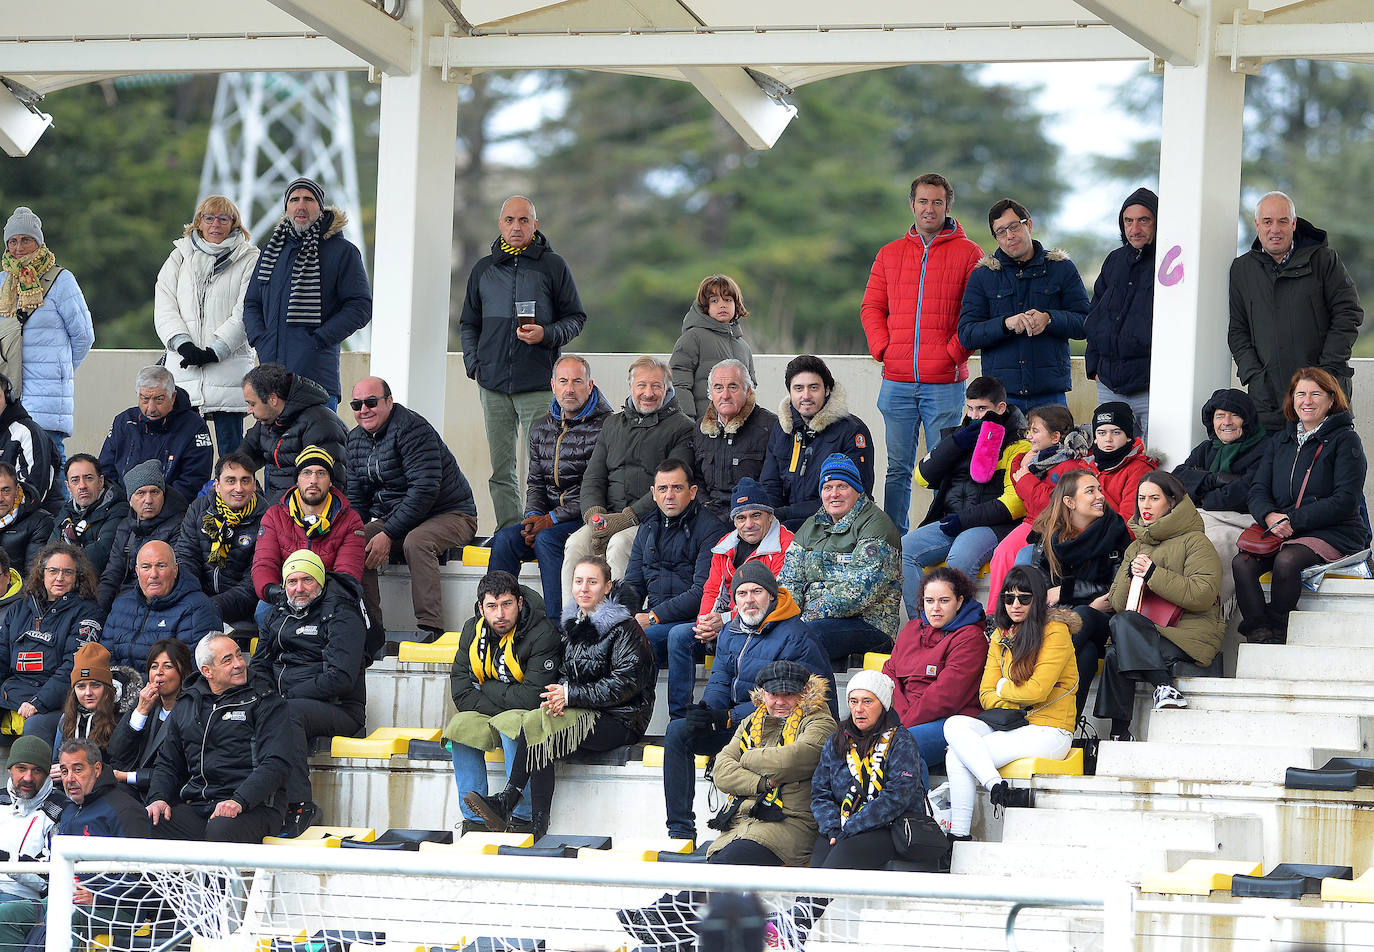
{"x": 1258, "y": 540}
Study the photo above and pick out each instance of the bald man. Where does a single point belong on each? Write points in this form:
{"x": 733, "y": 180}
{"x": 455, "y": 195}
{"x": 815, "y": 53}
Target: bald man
{"x": 521, "y": 308}
{"x": 166, "y": 603}
{"x": 414, "y": 500}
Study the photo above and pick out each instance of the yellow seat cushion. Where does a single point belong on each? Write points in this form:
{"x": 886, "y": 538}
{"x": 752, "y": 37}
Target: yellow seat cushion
{"x": 1359, "y": 889}
{"x": 480, "y": 843}
{"x": 477, "y": 555}
{"x": 653, "y": 757}
{"x": 439, "y": 651}
{"x": 382, "y": 743}
{"x": 1198, "y": 877}
{"x": 874, "y": 660}
{"x": 327, "y": 836}
{"x": 1027, "y": 767}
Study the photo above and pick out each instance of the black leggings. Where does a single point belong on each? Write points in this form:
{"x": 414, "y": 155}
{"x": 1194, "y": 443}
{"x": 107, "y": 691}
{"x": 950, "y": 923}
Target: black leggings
{"x": 1285, "y": 586}
{"x": 742, "y": 852}
{"x": 1090, "y": 647}
{"x": 871, "y": 849}
{"x": 608, "y": 734}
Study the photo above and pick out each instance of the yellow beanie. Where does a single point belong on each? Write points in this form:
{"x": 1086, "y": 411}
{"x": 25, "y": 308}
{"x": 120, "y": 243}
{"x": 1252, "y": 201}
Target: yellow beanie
{"x": 303, "y": 560}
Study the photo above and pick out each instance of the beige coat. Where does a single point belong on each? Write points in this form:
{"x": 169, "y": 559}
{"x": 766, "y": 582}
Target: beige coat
{"x": 742, "y": 773}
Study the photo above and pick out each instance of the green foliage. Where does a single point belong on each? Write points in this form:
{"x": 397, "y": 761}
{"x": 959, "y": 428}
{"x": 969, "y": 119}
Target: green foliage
{"x": 114, "y": 181}
{"x": 646, "y": 190}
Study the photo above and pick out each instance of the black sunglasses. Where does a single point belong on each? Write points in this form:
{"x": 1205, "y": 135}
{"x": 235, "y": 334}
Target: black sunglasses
{"x": 1017, "y": 598}
{"x": 369, "y": 402}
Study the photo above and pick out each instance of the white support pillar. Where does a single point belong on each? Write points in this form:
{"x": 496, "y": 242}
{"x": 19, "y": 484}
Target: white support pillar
{"x": 1199, "y": 193}
{"x": 416, "y": 162}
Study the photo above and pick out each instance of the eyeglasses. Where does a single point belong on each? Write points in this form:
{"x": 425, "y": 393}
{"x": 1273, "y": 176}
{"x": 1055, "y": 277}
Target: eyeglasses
{"x": 218, "y": 219}
{"x": 1017, "y": 598}
{"x": 369, "y": 402}
{"x": 1008, "y": 230}
{"x": 59, "y": 572}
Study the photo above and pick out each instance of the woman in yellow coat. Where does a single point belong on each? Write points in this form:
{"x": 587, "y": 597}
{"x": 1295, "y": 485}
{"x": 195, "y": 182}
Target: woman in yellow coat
{"x": 1030, "y": 669}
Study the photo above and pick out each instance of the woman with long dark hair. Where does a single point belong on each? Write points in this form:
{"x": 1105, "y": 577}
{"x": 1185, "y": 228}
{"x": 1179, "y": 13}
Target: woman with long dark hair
{"x": 1031, "y": 670}
{"x": 1174, "y": 562}
{"x": 98, "y": 697}
{"x": 1079, "y": 541}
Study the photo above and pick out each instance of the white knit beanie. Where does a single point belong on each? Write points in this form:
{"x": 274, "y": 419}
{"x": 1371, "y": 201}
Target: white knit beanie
{"x": 875, "y": 682}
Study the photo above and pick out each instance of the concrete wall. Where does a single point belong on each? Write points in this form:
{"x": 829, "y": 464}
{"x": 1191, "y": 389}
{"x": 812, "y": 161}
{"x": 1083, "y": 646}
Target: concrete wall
{"x": 104, "y": 386}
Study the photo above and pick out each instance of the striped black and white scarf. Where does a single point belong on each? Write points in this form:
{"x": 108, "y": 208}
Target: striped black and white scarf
{"x": 303, "y": 306}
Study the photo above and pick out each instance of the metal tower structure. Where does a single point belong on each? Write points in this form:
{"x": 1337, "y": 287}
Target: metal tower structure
{"x": 269, "y": 128}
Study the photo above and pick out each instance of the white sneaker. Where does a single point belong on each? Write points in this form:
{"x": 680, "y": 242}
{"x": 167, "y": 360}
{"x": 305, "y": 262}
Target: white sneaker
{"x": 1166, "y": 695}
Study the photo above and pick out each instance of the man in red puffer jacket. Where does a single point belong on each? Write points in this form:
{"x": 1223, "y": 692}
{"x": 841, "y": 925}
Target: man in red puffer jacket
{"x": 910, "y": 315}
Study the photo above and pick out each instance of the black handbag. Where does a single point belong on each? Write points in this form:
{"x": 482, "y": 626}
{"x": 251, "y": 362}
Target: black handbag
{"x": 1004, "y": 718}
{"x": 918, "y": 838}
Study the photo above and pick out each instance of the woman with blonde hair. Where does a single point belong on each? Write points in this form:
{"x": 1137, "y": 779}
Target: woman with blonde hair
{"x": 198, "y": 313}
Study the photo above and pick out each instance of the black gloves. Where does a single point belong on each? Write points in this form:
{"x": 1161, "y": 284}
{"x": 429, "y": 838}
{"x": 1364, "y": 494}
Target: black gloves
{"x": 273, "y": 594}
{"x": 703, "y": 720}
{"x": 193, "y": 356}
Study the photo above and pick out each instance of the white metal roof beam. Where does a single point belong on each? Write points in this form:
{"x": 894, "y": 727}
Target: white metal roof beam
{"x": 758, "y": 118}
{"x": 363, "y": 30}
{"x": 858, "y": 48}
{"x": 20, "y": 128}
{"x": 1268, "y": 41}
{"x": 478, "y": 12}
{"x": 1167, "y": 30}
{"x": 122, "y": 57}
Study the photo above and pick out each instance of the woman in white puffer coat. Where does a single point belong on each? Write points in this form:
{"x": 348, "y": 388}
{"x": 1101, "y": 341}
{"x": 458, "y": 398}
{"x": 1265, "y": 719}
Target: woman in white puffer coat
{"x": 198, "y": 313}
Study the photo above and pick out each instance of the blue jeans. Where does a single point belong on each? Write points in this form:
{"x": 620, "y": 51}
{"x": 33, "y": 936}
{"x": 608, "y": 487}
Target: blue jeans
{"x": 658, "y": 638}
{"x": 1138, "y": 402}
{"x": 261, "y": 612}
{"x": 930, "y": 741}
{"x": 1024, "y": 555}
{"x": 906, "y": 407}
{"x": 683, "y": 653}
{"x": 228, "y": 429}
{"x": 680, "y": 747}
{"x": 842, "y": 637}
{"x": 508, "y": 551}
{"x": 470, "y": 774}
{"x": 926, "y": 547}
{"x": 1029, "y": 402}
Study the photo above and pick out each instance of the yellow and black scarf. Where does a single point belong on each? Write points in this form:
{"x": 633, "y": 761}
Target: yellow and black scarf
{"x": 511, "y": 250}
{"x": 489, "y": 658}
{"x": 219, "y": 524}
{"x": 866, "y": 772}
{"x": 13, "y": 514}
{"x": 24, "y": 289}
{"x": 316, "y": 525}
{"x": 767, "y": 807}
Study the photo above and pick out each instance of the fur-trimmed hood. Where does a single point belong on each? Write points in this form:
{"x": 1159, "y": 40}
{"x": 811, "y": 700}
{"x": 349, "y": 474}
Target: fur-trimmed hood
{"x": 995, "y": 261}
{"x": 710, "y": 421}
{"x": 836, "y": 408}
{"x": 336, "y": 226}
{"x": 128, "y": 682}
{"x": 1069, "y": 618}
{"x": 605, "y": 616}
{"x": 814, "y": 696}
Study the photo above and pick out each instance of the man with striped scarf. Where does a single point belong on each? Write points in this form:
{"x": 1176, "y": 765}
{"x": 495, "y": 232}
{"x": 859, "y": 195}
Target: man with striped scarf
{"x": 309, "y": 290}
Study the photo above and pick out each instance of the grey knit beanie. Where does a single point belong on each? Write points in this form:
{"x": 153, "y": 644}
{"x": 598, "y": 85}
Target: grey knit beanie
{"x": 24, "y": 222}
{"x": 306, "y": 183}
{"x": 147, "y": 473}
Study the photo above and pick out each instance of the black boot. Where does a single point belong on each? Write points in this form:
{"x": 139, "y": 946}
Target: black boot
{"x": 494, "y": 811}
{"x": 1004, "y": 795}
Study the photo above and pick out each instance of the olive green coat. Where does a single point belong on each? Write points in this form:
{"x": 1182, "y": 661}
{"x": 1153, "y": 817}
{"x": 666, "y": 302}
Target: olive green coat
{"x": 742, "y": 773}
{"x": 1187, "y": 572}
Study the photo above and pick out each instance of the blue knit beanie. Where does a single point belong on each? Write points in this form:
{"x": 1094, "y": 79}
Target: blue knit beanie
{"x": 839, "y": 466}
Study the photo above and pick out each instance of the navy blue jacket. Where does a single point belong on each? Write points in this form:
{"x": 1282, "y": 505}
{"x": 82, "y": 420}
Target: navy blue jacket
{"x": 741, "y": 655}
{"x": 37, "y": 644}
{"x": 230, "y": 586}
{"x": 180, "y": 442}
{"x": 901, "y": 792}
{"x": 1121, "y": 316}
{"x": 1000, "y": 287}
{"x": 135, "y": 622}
{"x": 670, "y": 563}
{"x": 797, "y": 447}
{"x": 94, "y": 817}
{"x": 102, "y": 521}
{"x": 1209, "y": 486}
{"x": 345, "y": 306}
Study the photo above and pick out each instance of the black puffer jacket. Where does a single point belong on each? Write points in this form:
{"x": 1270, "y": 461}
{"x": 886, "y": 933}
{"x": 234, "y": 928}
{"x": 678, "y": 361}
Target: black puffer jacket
{"x": 946, "y": 470}
{"x": 609, "y": 666}
{"x": 305, "y": 421}
{"x": 317, "y": 653}
{"x": 1120, "y": 319}
{"x": 232, "y": 746}
{"x": 1087, "y": 562}
{"x": 28, "y": 533}
{"x": 1331, "y": 506}
{"x": 25, "y": 446}
{"x": 560, "y": 448}
{"x": 136, "y": 751}
{"x": 670, "y": 563}
{"x": 538, "y": 648}
{"x": 631, "y": 445}
{"x": 131, "y": 535}
{"x": 230, "y": 586}
{"x": 101, "y": 520}
{"x": 797, "y": 447}
{"x": 404, "y": 473}
{"x": 37, "y": 643}
{"x": 1208, "y": 484}
{"x": 492, "y": 354}
{"x": 727, "y": 454}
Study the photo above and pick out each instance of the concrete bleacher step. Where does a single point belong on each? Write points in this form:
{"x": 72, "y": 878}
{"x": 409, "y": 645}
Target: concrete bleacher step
{"x": 1279, "y": 695}
{"x": 1331, "y": 628}
{"x": 1339, "y": 595}
{"x": 1195, "y": 726}
{"x": 1314, "y": 662}
{"x": 1165, "y": 829}
{"x": 1120, "y": 861}
{"x": 1234, "y": 763}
